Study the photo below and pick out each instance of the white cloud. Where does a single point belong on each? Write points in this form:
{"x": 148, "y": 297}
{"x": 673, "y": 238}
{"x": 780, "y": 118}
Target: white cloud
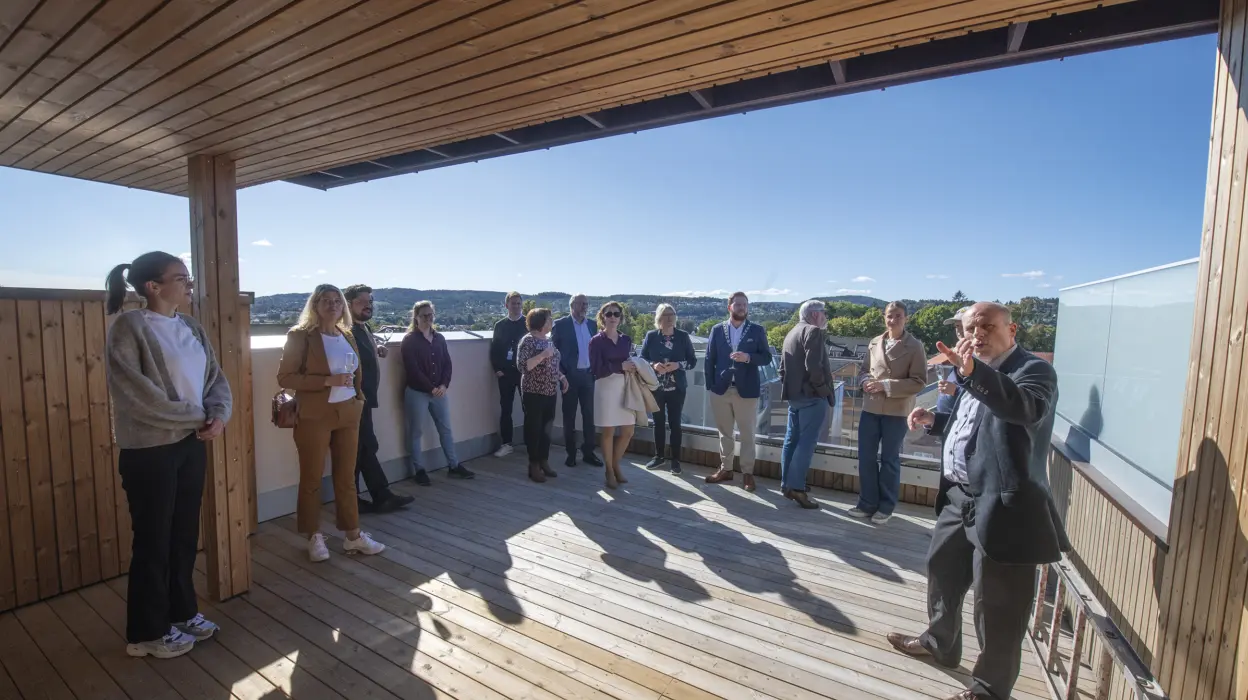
{"x": 938, "y": 277}
{"x": 854, "y": 291}
{"x": 263, "y": 243}
{"x": 322, "y": 272}
{"x": 1044, "y": 285}
{"x": 1057, "y": 277}
{"x": 833, "y": 282}
{"x": 305, "y": 277}
{"x": 185, "y": 256}
{"x": 863, "y": 278}
{"x": 1030, "y": 274}
{"x": 697, "y": 293}
{"x": 772, "y": 292}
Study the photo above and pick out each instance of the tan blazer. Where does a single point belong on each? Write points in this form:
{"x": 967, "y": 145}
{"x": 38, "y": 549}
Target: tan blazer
{"x": 309, "y": 386}
{"x": 903, "y": 369}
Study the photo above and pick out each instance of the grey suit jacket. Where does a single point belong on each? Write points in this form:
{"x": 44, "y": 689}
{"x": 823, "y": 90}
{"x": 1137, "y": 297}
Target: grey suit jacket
{"x": 1007, "y": 460}
{"x": 805, "y": 372}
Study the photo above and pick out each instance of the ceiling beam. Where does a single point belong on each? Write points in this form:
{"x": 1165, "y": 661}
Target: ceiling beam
{"x": 507, "y": 138}
{"x": 838, "y": 72}
{"x": 597, "y": 124}
{"x": 1014, "y": 37}
{"x": 703, "y": 98}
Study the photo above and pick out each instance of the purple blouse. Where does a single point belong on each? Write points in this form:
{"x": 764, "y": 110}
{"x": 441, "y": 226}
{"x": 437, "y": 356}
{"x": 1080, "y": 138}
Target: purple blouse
{"x": 607, "y": 358}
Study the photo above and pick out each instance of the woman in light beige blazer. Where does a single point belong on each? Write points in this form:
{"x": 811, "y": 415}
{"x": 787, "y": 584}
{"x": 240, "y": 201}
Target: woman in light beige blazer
{"x": 895, "y": 370}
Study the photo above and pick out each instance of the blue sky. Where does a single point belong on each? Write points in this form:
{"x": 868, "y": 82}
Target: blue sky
{"x": 1002, "y": 184}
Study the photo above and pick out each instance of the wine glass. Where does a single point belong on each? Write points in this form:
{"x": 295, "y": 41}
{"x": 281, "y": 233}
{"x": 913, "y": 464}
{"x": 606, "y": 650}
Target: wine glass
{"x": 352, "y": 362}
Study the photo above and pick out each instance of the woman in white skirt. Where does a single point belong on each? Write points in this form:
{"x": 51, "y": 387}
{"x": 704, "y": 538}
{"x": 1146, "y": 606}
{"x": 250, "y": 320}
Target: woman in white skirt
{"x": 609, "y": 353}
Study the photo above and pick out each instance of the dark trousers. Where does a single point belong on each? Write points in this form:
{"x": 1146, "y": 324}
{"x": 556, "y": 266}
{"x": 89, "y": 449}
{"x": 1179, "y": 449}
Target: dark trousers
{"x": 164, "y": 487}
{"x": 508, "y": 385}
{"x": 539, "y": 416}
{"x": 580, "y": 391}
{"x": 1003, "y": 599}
{"x": 879, "y": 461}
{"x": 670, "y": 405}
{"x": 366, "y": 462}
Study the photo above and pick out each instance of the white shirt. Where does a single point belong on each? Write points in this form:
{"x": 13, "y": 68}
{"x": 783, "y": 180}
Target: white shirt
{"x": 342, "y": 360}
{"x": 582, "y": 343}
{"x": 185, "y": 357}
{"x": 734, "y": 334}
{"x": 964, "y": 419}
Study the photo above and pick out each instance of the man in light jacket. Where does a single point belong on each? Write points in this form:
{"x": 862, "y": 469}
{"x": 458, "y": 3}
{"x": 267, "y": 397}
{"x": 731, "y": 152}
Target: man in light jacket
{"x": 806, "y": 378}
{"x": 894, "y": 372}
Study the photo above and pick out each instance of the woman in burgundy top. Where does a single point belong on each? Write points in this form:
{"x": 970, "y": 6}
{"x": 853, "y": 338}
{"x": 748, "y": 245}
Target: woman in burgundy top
{"x": 541, "y": 380}
{"x": 427, "y": 362}
{"x": 609, "y": 361}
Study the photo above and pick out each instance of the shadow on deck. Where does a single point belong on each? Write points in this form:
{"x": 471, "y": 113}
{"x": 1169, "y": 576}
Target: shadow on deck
{"x": 501, "y": 588}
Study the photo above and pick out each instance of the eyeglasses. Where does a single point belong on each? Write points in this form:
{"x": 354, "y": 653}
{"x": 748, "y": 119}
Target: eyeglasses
{"x": 426, "y": 316}
{"x": 612, "y": 314}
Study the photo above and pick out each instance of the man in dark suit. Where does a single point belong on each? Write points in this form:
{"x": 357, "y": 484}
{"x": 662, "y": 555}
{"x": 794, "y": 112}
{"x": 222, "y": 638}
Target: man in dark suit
{"x": 360, "y": 298}
{"x": 734, "y": 353}
{"x": 996, "y": 519}
{"x": 570, "y": 336}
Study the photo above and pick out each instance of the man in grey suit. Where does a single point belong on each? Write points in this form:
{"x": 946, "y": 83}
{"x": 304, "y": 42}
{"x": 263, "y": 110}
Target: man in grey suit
{"x": 996, "y": 520}
{"x": 806, "y": 378}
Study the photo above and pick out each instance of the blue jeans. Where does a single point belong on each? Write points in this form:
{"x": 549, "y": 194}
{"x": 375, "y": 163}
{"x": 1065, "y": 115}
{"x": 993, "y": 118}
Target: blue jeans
{"x": 879, "y": 461}
{"x": 802, "y": 433}
{"x": 415, "y": 405}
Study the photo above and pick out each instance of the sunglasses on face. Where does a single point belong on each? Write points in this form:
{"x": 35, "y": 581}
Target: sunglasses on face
{"x": 612, "y": 314}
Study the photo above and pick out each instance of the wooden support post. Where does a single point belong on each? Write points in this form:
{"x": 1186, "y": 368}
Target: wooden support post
{"x": 214, "y": 246}
{"x": 1202, "y": 645}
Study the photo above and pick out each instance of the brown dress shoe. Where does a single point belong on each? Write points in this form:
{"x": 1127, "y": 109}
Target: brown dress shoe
{"x": 546, "y": 470}
{"x": 719, "y": 476}
{"x": 747, "y": 482}
{"x": 910, "y": 646}
{"x": 801, "y": 499}
{"x": 967, "y": 695}
{"x": 535, "y": 473}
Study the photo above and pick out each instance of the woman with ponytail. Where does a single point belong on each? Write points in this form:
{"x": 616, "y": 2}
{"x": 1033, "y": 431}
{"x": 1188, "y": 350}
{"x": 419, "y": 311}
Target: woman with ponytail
{"x": 169, "y": 399}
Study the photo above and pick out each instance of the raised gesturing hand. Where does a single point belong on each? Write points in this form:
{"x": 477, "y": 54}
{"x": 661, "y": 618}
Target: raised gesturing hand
{"x": 961, "y": 356}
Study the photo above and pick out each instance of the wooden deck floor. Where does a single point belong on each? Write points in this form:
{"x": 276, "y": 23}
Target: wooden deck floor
{"x": 500, "y": 588}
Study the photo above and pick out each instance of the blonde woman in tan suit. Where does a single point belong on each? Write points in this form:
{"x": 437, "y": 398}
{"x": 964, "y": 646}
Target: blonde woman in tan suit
{"x": 894, "y": 371}
{"x": 320, "y": 362}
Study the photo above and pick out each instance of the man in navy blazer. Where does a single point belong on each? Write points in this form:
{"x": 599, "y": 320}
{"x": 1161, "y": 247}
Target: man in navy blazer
{"x": 996, "y": 520}
{"x": 734, "y": 353}
{"x": 570, "y": 336}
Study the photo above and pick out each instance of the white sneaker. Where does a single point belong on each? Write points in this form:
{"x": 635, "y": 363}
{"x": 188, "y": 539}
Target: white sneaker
{"x": 173, "y": 644}
{"x": 197, "y": 627}
{"x": 880, "y": 518}
{"x": 317, "y": 551}
{"x": 858, "y": 513}
{"x": 364, "y": 545}
{"x": 504, "y": 451}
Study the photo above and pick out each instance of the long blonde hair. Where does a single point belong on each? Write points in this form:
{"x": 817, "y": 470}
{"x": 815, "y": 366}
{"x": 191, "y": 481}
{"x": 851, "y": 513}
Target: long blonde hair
{"x": 310, "y": 318}
{"x": 412, "y": 326}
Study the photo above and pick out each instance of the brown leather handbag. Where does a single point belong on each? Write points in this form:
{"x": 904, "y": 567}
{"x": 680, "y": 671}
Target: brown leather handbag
{"x": 286, "y": 405}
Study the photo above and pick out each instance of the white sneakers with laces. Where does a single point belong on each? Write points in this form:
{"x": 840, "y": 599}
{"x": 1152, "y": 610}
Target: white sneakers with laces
{"x": 365, "y": 544}
{"x": 858, "y": 513}
{"x": 173, "y": 644}
{"x": 317, "y": 551}
{"x": 504, "y": 451}
{"x": 880, "y": 518}
{"x": 197, "y": 627}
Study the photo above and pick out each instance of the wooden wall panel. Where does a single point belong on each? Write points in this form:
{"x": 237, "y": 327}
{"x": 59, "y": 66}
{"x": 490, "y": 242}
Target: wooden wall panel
{"x": 64, "y": 520}
{"x": 1203, "y": 638}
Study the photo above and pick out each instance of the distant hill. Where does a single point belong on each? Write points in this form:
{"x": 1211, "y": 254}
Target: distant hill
{"x": 464, "y": 308}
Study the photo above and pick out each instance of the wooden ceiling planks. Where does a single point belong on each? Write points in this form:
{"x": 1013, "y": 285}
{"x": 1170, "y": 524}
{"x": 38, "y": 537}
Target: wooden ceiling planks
{"x": 386, "y": 138}
{"x": 719, "y": 31}
{"x": 122, "y": 91}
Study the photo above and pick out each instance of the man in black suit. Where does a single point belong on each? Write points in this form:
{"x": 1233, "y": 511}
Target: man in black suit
{"x": 570, "y": 336}
{"x": 996, "y": 519}
{"x": 360, "y": 298}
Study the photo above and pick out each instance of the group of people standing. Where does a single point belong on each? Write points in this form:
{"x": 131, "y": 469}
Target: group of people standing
{"x": 996, "y": 517}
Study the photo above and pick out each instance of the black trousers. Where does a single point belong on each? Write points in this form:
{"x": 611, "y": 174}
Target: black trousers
{"x": 508, "y": 385}
{"x": 164, "y": 486}
{"x": 366, "y": 463}
{"x": 580, "y": 391}
{"x": 1003, "y": 599}
{"x": 539, "y": 416}
{"x": 670, "y": 405}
